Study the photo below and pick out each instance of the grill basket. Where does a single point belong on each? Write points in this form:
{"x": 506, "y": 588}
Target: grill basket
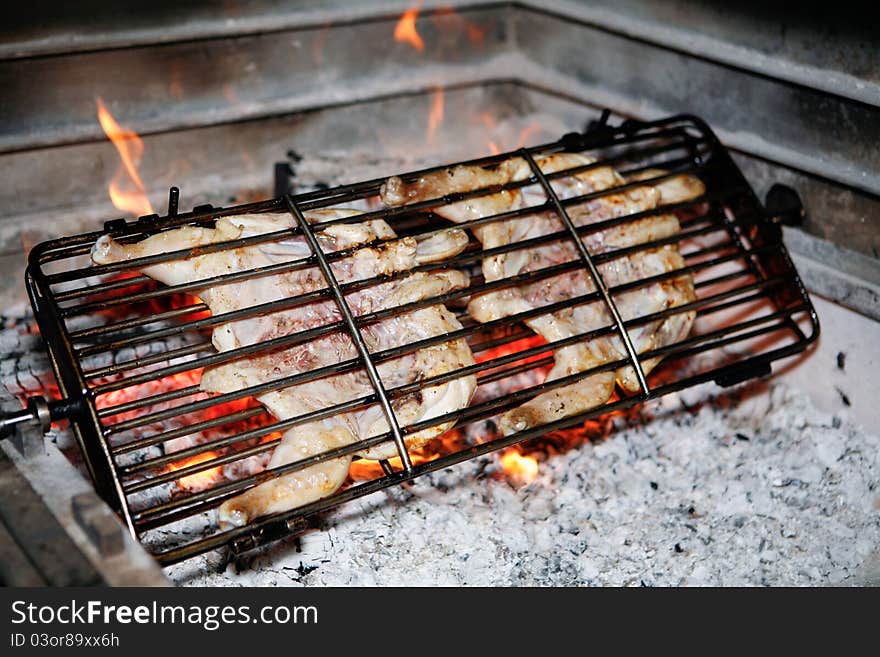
{"x": 127, "y": 351}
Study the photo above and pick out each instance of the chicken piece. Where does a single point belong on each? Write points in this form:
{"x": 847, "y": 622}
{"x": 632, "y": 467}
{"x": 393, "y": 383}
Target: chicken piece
{"x": 365, "y": 263}
{"x": 594, "y": 390}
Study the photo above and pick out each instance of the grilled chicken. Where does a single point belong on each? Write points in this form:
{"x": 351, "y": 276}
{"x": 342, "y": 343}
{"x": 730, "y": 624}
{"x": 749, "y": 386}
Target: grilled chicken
{"x": 596, "y": 389}
{"x": 365, "y": 262}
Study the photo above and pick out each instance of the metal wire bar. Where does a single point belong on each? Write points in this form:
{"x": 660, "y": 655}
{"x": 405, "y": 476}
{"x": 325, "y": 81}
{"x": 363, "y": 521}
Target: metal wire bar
{"x": 179, "y": 553}
{"x": 599, "y": 258}
{"x": 287, "y": 304}
{"x": 133, "y": 323}
{"x": 404, "y": 349}
{"x": 471, "y": 414}
{"x": 385, "y": 214}
{"x": 587, "y": 229}
{"x": 353, "y": 332}
{"x": 168, "y": 256}
{"x": 465, "y": 332}
{"x": 591, "y": 267}
{"x": 477, "y": 368}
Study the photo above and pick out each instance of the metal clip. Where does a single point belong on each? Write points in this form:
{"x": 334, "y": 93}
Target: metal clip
{"x": 115, "y": 225}
{"x": 173, "y": 201}
{"x": 784, "y": 206}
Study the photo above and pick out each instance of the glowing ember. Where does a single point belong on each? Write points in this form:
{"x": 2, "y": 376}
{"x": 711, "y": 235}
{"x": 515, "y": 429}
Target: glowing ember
{"x": 435, "y": 117}
{"x": 130, "y": 149}
{"x": 520, "y": 470}
{"x": 367, "y": 470}
{"x": 147, "y": 389}
{"x": 514, "y": 347}
{"x": 198, "y": 480}
{"x": 405, "y": 30}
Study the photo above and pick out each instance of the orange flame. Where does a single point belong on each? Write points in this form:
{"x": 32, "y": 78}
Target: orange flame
{"x": 435, "y": 116}
{"x": 405, "y": 30}
{"x": 446, "y": 18}
{"x": 527, "y": 133}
{"x": 230, "y": 94}
{"x": 475, "y": 34}
{"x": 197, "y": 480}
{"x": 130, "y": 149}
{"x": 521, "y": 470}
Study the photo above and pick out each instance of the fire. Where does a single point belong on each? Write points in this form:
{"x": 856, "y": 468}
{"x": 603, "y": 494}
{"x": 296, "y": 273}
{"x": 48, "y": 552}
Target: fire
{"x": 130, "y": 149}
{"x": 520, "y": 470}
{"x": 435, "y": 116}
{"x": 148, "y": 389}
{"x": 512, "y": 348}
{"x": 197, "y": 480}
{"x": 447, "y": 18}
{"x": 498, "y": 137}
{"x": 527, "y": 134}
{"x": 367, "y": 470}
{"x": 230, "y": 95}
{"x": 475, "y": 34}
{"x": 405, "y": 30}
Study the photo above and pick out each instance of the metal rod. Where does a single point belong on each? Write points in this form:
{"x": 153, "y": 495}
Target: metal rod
{"x": 402, "y": 350}
{"x": 285, "y": 304}
{"x": 455, "y": 262}
{"x": 591, "y": 267}
{"x": 353, "y": 332}
{"x": 476, "y": 368}
{"x": 151, "y": 518}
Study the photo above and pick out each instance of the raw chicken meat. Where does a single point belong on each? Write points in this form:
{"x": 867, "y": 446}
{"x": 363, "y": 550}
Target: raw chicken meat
{"x": 596, "y": 389}
{"x": 366, "y": 261}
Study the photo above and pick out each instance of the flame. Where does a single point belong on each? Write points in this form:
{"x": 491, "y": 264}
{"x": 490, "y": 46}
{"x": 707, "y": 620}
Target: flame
{"x": 446, "y": 18}
{"x": 230, "y": 95}
{"x": 475, "y": 34}
{"x": 175, "y": 87}
{"x": 130, "y": 149}
{"x": 197, "y": 480}
{"x": 318, "y": 44}
{"x": 435, "y": 116}
{"x": 527, "y": 133}
{"x": 488, "y": 121}
{"x": 367, "y": 469}
{"x": 520, "y": 470}
{"x": 405, "y": 30}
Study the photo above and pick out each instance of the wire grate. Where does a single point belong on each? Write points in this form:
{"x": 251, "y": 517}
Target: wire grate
{"x": 129, "y": 352}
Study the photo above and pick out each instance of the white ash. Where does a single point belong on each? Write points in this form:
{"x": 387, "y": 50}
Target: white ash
{"x": 750, "y": 487}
